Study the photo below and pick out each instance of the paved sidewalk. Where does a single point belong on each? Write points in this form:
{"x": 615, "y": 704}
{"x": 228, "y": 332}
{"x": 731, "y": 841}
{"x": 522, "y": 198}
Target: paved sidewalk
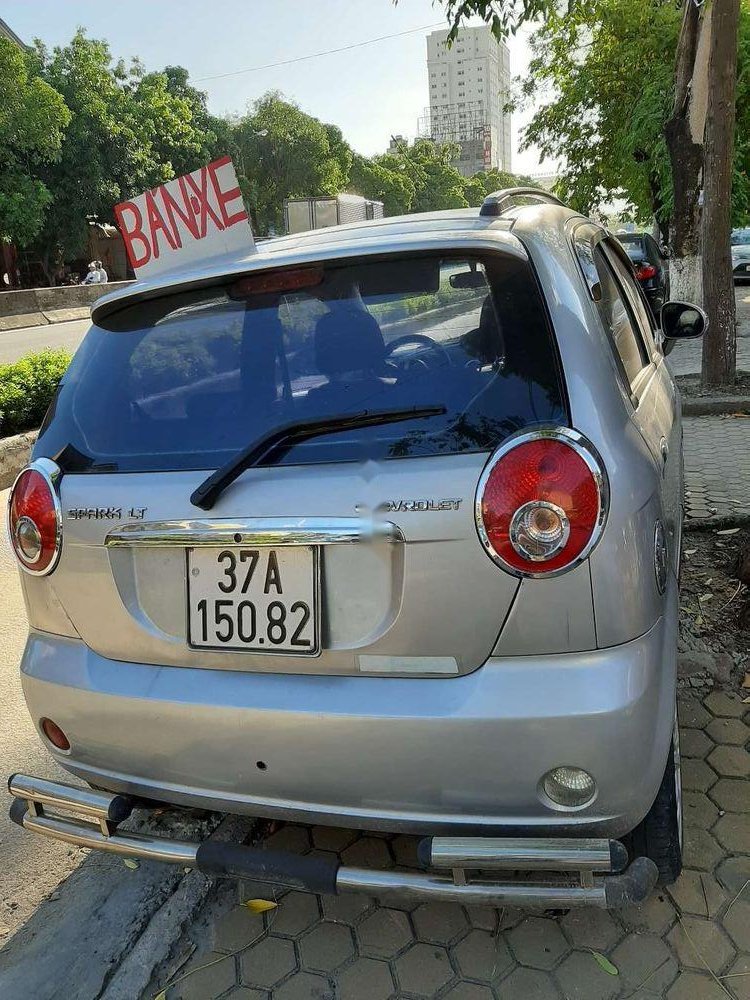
{"x": 691, "y": 942}
{"x": 717, "y": 466}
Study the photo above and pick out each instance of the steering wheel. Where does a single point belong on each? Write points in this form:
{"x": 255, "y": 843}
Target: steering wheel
{"x": 416, "y": 338}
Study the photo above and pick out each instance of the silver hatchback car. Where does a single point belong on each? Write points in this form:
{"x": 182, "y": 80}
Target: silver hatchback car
{"x": 379, "y": 526}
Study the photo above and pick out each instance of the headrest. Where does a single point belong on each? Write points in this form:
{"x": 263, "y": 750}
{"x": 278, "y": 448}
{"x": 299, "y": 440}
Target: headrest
{"x": 348, "y": 339}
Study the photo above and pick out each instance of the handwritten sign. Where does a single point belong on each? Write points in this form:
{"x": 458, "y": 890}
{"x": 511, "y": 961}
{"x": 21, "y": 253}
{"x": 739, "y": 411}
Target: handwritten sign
{"x": 185, "y": 221}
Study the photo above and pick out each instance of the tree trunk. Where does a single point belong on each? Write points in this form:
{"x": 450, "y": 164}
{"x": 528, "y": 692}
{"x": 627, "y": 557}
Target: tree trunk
{"x": 684, "y": 137}
{"x": 720, "y": 343}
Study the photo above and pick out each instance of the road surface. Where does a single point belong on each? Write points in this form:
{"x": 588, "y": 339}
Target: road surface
{"x": 15, "y": 343}
{"x": 32, "y": 867}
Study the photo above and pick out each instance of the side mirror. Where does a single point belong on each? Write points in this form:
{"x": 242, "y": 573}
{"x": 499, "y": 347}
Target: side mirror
{"x": 682, "y": 320}
{"x": 665, "y": 252}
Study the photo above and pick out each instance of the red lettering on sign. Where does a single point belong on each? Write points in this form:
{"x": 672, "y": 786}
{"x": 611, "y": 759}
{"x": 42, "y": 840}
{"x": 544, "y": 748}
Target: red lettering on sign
{"x": 200, "y": 202}
{"x": 156, "y": 223}
{"x": 184, "y": 212}
{"x": 224, "y": 197}
{"x": 132, "y": 233}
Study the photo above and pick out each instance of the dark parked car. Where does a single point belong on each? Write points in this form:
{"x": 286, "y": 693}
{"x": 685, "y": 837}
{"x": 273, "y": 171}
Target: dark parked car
{"x": 651, "y": 267}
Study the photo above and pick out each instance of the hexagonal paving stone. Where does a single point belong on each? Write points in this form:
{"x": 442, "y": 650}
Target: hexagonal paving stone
{"x": 725, "y": 704}
{"x": 700, "y": 850}
{"x": 237, "y": 929}
{"x": 384, "y": 933}
{"x": 326, "y": 947}
{"x": 644, "y": 958}
{"x": 740, "y": 981}
{"x": 245, "y": 993}
{"x": 267, "y": 962}
{"x": 483, "y": 956}
{"x": 538, "y": 942}
{"x": 692, "y": 714}
{"x": 305, "y": 986}
{"x": 483, "y": 917}
{"x": 346, "y": 908}
{"x": 209, "y": 978}
{"x": 657, "y": 914}
{"x": 730, "y": 762}
{"x": 332, "y": 838}
{"x": 694, "y": 743}
{"x": 469, "y": 991}
{"x": 367, "y": 852}
{"x": 582, "y": 978}
{"x": 423, "y": 969}
{"x": 697, "y": 776}
{"x": 737, "y": 923}
{"x": 698, "y": 893}
{"x": 733, "y": 873}
{"x": 529, "y": 984}
{"x": 366, "y": 979}
{"x": 692, "y": 985}
{"x": 699, "y": 943}
{"x": 733, "y": 831}
{"x": 728, "y": 731}
{"x": 589, "y": 927}
{"x": 698, "y": 810}
{"x": 289, "y": 838}
{"x": 405, "y": 851}
{"x": 732, "y": 795}
{"x": 439, "y": 922}
{"x": 296, "y": 912}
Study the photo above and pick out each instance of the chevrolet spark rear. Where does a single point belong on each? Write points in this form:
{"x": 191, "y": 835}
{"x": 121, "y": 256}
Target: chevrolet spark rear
{"x": 319, "y": 536}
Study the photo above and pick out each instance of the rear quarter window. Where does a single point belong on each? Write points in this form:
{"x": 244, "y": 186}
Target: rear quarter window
{"x": 187, "y": 380}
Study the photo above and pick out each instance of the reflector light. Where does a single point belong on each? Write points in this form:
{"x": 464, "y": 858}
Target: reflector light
{"x": 34, "y": 519}
{"x": 54, "y": 734}
{"x": 276, "y": 281}
{"x": 645, "y": 271}
{"x": 541, "y": 502}
{"x": 569, "y": 786}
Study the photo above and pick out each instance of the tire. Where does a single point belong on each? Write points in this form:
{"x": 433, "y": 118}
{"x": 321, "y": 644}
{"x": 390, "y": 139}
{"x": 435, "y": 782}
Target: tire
{"x": 659, "y": 834}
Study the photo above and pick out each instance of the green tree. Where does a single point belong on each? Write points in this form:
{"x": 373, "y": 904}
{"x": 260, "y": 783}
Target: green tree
{"x": 284, "y": 153}
{"x": 374, "y": 180}
{"x": 129, "y": 131}
{"x": 429, "y": 167}
{"x": 33, "y": 118}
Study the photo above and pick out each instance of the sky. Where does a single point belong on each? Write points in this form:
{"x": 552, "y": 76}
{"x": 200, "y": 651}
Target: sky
{"x": 371, "y": 92}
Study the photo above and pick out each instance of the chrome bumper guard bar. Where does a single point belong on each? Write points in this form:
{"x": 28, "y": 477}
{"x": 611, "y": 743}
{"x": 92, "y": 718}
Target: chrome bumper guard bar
{"x": 573, "y": 872}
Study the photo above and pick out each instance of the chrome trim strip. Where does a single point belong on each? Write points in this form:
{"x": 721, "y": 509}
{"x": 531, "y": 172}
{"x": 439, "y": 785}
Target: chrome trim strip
{"x": 276, "y": 531}
{"x": 585, "y": 450}
{"x": 442, "y": 888}
{"x": 51, "y": 473}
{"x": 524, "y": 853}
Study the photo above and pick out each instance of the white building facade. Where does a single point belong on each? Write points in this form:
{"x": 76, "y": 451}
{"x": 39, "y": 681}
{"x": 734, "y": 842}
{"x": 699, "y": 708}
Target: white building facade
{"x": 469, "y": 87}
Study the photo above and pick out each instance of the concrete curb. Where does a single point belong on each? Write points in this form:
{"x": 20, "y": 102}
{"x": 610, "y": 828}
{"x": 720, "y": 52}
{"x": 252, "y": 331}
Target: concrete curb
{"x": 14, "y": 455}
{"x": 711, "y": 406}
{"x": 717, "y": 523}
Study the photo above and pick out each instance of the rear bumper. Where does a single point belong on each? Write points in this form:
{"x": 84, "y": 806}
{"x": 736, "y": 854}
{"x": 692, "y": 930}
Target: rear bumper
{"x": 433, "y": 755}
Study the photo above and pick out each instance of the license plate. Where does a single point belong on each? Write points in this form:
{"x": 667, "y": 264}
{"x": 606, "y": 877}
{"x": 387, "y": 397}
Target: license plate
{"x": 262, "y": 600}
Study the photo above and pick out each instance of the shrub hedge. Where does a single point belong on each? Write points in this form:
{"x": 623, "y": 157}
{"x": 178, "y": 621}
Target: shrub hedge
{"x": 27, "y": 387}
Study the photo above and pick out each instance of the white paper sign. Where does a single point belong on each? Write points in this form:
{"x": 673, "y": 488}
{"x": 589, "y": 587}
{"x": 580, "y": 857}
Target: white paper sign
{"x": 185, "y": 221}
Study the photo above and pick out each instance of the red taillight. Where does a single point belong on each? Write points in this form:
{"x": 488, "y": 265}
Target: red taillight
{"x": 34, "y": 521}
{"x": 645, "y": 271}
{"x": 541, "y": 502}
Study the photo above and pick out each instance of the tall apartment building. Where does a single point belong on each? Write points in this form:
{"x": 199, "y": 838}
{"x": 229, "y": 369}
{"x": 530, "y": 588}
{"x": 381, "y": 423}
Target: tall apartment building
{"x": 469, "y": 86}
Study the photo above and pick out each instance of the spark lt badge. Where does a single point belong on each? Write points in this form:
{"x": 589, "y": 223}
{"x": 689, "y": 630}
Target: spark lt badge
{"x": 394, "y": 506}
{"x": 104, "y": 513}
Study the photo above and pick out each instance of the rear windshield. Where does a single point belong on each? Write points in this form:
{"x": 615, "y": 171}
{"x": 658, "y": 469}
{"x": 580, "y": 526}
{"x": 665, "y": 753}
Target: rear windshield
{"x": 633, "y": 246}
{"x": 186, "y": 381}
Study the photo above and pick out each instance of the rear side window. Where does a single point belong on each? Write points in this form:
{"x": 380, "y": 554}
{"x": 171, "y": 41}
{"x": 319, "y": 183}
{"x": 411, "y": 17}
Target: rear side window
{"x": 186, "y": 381}
{"x": 618, "y": 320}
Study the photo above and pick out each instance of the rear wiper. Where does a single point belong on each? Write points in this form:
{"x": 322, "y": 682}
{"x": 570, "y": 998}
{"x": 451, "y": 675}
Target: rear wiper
{"x": 280, "y": 440}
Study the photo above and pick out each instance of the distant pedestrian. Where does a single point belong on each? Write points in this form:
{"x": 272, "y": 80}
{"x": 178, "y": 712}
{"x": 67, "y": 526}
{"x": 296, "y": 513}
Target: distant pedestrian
{"x": 103, "y": 276}
{"x": 92, "y": 278}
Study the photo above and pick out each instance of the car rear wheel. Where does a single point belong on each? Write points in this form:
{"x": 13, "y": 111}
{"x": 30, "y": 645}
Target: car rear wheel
{"x": 659, "y": 835}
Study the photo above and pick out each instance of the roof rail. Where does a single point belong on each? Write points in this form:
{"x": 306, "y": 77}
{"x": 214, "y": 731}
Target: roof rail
{"x": 498, "y": 201}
